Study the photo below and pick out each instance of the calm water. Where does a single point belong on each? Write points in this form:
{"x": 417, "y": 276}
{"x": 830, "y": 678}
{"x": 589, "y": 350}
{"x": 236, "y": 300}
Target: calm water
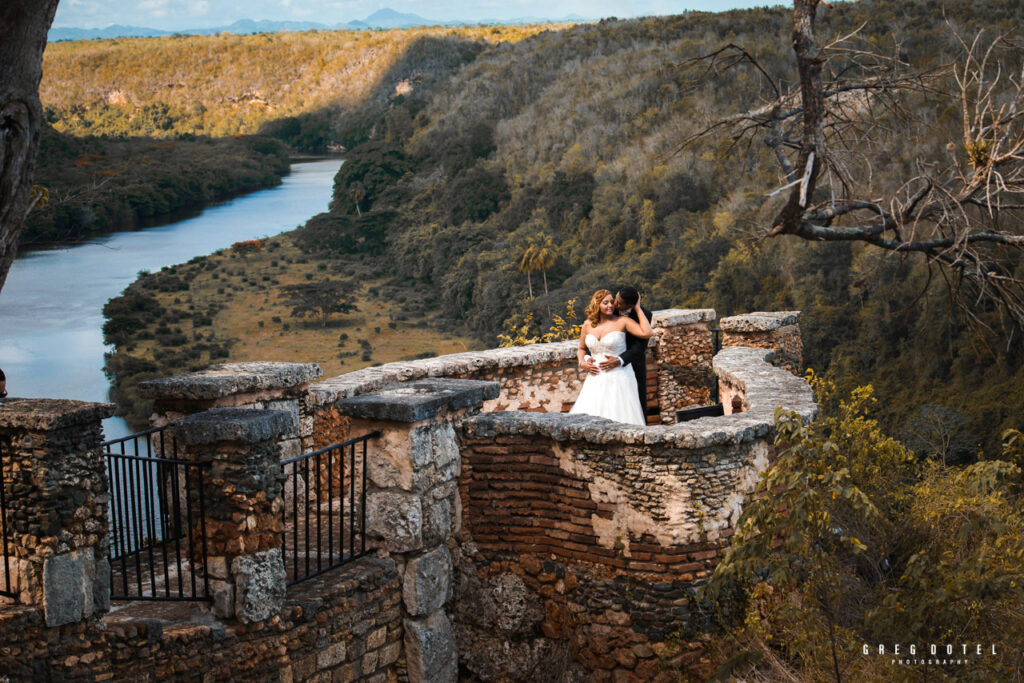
{"x": 51, "y": 307}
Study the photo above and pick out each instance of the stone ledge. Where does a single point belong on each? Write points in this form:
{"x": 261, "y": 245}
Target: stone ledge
{"x": 228, "y": 379}
{"x": 671, "y": 317}
{"x": 759, "y": 321}
{"x": 767, "y": 387}
{"x": 419, "y": 400}
{"x": 372, "y": 379}
{"x": 46, "y": 414}
{"x": 231, "y": 424}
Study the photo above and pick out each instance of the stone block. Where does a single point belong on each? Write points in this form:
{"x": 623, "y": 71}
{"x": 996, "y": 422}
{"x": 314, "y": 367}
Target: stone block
{"x": 290, "y": 406}
{"x": 418, "y": 400}
{"x": 101, "y": 587}
{"x": 260, "y": 584}
{"x": 231, "y": 424}
{"x": 437, "y": 521}
{"x": 69, "y": 587}
{"x": 430, "y": 652}
{"x": 223, "y": 594}
{"x": 376, "y": 638}
{"x": 229, "y": 379}
{"x": 428, "y": 581}
{"x": 394, "y": 520}
{"x": 331, "y": 656}
{"x": 445, "y": 452}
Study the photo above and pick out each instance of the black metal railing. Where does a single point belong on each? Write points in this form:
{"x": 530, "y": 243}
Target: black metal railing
{"x": 157, "y": 520}
{"x": 6, "y": 587}
{"x": 325, "y": 508}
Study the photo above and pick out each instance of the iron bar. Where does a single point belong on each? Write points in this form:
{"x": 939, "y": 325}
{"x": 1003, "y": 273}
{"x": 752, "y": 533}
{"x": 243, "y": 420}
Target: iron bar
{"x": 330, "y": 502}
{"x": 148, "y": 523}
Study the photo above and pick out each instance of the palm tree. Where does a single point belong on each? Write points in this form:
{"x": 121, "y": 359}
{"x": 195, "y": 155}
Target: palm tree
{"x": 526, "y": 265}
{"x": 544, "y": 256}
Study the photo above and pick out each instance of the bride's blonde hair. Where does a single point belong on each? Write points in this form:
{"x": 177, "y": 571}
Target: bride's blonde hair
{"x": 594, "y": 307}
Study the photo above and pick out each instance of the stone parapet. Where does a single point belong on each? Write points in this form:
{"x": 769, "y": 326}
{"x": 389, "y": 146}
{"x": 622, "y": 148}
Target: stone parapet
{"x": 345, "y": 625}
{"x": 231, "y": 379}
{"x": 257, "y": 385}
{"x": 455, "y": 365}
{"x": 56, "y": 492}
{"x": 746, "y": 374}
{"x": 778, "y": 331}
{"x": 242, "y": 506}
{"x": 413, "y": 509}
{"x": 597, "y": 532}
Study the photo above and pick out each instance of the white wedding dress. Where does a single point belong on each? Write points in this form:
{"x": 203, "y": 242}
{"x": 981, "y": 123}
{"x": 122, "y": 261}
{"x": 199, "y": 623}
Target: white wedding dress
{"x": 611, "y": 394}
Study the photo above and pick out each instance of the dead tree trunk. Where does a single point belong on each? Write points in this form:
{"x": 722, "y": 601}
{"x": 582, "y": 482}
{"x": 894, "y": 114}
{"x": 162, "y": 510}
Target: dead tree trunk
{"x": 23, "y": 28}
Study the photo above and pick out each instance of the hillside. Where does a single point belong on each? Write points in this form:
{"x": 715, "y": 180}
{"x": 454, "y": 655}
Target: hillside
{"x": 571, "y": 135}
{"x": 229, "y": 84}
{"x": 895, "y": 517}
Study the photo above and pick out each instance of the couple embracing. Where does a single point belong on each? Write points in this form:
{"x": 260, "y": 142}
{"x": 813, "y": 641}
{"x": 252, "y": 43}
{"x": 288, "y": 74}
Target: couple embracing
{"x": 613, "y": 347}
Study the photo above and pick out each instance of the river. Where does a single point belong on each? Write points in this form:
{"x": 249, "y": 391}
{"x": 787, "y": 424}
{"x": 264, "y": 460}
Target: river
{"x": 51, "y": 307}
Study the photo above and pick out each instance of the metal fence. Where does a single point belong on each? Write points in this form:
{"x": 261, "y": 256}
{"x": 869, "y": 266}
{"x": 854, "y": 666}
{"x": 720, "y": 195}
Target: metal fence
{"x": 157, "y": 520}
{"x": 6, "y": 587}
{"x": 325, "y": 508}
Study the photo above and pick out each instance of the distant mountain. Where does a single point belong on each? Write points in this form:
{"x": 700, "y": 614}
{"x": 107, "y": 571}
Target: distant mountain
{"x": 384, "y": 18}
{"x": 389, "y": 18}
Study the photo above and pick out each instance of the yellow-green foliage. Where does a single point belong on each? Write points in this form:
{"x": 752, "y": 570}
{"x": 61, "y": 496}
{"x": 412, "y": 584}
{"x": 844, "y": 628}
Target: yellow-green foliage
{"x": 227, "y": 84}
{"x": 852, "y": 540}
{"x": 518, "y": 330}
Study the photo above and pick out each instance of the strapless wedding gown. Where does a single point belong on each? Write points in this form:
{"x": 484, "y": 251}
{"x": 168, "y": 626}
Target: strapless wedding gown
{"x": 611, "y": 394}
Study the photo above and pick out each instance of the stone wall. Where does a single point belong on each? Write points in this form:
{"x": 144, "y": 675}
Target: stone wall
{"x": 257, "y": 386}
{"x": 545, "y": 377}
{"x": 778, "y": 331}
{"x": 602, "y": 531}
{"x": 344, "y": 626}
{"x": 514, "y": 543}
{"x": 56, "y": 492}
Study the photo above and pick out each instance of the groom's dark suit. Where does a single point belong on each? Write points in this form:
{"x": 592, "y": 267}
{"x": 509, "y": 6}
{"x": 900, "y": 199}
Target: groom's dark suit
{"x": 636, "y": 355}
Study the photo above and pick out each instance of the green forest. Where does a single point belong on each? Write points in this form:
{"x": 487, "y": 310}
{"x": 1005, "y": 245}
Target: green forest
{"x": 466, "y": 149}
{"x": 95, "y": 185}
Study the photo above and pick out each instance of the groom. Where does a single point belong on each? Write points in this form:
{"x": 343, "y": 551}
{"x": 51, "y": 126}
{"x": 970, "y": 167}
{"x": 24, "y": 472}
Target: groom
{"x": 626, "y": 301}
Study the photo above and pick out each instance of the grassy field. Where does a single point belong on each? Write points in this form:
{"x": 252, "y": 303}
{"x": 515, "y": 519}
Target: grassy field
{"x": 228, "y": 307}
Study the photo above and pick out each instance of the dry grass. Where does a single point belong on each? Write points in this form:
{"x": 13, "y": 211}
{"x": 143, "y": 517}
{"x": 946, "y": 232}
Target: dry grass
{"x": 243, "y": 288}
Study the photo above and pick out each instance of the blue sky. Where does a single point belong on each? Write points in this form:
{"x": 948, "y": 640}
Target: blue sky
{"x": 183, "y": 14}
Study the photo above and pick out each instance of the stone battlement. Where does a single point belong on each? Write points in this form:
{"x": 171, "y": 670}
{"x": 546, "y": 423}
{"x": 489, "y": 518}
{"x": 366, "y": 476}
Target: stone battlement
{"x": 509, "y": 535}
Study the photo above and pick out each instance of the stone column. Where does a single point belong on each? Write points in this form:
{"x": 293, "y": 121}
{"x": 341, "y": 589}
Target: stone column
{"x": 243, "y": 502}
{"x": 779, "y": 331}
{"x": 413, "y": 504}
{"x": 260, "y": 385}
{"x": 683, "y": 351}
{"x": 57, "y": 494}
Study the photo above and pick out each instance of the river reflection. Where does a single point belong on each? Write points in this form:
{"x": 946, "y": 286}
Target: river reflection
{"x": 51, "y": 339}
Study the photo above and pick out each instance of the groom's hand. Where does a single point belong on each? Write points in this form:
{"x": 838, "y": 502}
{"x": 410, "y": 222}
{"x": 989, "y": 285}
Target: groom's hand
{"x": 610, "y": 363}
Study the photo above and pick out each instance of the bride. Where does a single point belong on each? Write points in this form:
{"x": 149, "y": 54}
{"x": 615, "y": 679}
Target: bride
{"x": 612, "y": 393}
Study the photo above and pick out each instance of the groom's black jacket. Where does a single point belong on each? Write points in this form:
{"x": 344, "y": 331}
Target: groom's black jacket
{"x": 636, "y": 355}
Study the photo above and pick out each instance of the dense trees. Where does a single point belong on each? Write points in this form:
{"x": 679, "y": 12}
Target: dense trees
{"x": 962, "y": 210}
{"x": 97, "y": 185}
{"x": 576, "y": 135}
